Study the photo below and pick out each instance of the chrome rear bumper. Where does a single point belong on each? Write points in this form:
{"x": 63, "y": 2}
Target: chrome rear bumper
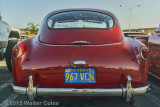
{"x": 32, "y": 92}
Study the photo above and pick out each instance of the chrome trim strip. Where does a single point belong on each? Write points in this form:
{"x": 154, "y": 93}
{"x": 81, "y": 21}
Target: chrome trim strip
{"x": 80, "y": 42}
{"x": 32, "y": 92}
{"x": 20, "y": 50}
{"x": 37, "y": 41}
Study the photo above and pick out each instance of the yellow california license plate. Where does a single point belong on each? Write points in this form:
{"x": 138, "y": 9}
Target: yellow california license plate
{"x": 80, "y": 75}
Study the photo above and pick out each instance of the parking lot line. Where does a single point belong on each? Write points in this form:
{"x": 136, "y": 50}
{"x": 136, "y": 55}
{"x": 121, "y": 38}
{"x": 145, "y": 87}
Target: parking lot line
{"x": 153, "y": 98}
{"x": 5, "y": 84}
{"x": 9, "y": 100}
{"x": 154, "y": 86}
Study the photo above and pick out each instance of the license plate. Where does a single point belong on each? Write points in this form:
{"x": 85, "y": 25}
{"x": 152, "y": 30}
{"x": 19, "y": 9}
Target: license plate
{"x": 79, "y": 75}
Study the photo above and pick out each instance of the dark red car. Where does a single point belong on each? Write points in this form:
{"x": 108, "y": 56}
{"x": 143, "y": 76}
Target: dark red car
{"x": 154, "y": 46}
{"x": 80, "y": 52}
{"x": 142, "y": 37}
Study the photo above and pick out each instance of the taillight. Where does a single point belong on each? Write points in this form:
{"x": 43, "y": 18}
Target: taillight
{"x": 144, "y": 52}
{"x": 16, "y": 52}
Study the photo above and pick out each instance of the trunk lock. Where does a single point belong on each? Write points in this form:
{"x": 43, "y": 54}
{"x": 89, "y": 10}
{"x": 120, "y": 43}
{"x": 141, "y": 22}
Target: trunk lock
{"x": 79, "y": 63}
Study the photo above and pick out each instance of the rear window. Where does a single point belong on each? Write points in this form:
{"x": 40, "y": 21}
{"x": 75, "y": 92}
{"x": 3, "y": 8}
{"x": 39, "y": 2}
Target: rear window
{"x": 81, "y": 20}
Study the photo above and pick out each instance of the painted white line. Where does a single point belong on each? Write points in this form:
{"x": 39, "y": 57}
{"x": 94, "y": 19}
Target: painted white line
{"x": 153, "y": 98}
{"x": 5, "y": 84}
{"x": 154, "y": 86}
{"x": 2, "y": 63}
{"x": 9, "y": 100}
{"x": 154, "y": 75}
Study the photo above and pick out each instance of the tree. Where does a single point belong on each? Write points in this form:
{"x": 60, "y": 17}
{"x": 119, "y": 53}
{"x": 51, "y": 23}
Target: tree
{"x": 32, "y": 27}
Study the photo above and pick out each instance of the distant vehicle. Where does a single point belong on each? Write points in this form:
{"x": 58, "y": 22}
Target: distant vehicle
{"x": 8, "y": 39}
{"x": 142, "y": 37}
{"x": 31, "y": 35}
{"x": 80, "y": 52}
{"x": 130, "y": 34}
{"x": 154, "y": 47}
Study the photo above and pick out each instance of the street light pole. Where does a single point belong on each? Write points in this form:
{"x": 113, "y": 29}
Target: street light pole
{"x": 0, "y": 10}
{"x": 0, "y": 16}
{"x": 130, "y": 13}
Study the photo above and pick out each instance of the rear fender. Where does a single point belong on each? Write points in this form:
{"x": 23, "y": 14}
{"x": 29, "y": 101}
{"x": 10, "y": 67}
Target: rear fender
{"x": 136, "y": 47}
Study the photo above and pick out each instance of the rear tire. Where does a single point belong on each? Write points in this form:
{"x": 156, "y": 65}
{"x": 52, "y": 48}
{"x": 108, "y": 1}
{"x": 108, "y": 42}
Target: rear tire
{"x": 8, "y": 54}
{"x": 1, "y": 54}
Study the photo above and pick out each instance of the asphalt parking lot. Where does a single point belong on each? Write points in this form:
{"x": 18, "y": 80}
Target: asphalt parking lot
{"x": 8, "y": 98}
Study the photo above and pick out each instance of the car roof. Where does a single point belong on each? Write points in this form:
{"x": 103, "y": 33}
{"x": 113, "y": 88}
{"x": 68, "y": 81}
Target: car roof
{"x": 82, "y": 9}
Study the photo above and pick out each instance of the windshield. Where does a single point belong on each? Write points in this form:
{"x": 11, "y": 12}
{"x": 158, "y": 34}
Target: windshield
{"x": 80, "y": 19}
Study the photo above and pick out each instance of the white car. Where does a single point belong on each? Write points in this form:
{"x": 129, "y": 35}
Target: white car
{"x": 8, "y": 39}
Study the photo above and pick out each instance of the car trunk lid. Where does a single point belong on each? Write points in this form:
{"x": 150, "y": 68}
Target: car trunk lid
{"x": 83, "y": 36}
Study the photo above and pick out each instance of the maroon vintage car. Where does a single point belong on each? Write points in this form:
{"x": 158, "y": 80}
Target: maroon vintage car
{"x": 142, "y": 37}
{"x": 154, "y": 47}
{"x": 80, "y": 52}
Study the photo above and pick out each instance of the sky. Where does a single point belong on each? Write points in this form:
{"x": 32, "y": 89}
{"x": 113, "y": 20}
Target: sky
{"x": 18, "y": 13}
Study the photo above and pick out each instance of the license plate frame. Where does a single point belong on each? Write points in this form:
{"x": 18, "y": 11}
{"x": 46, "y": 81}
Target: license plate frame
{"x": 80, "y": 75}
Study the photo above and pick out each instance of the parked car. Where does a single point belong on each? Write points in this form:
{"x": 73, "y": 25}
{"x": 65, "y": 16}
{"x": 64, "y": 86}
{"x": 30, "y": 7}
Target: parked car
{"x": 80, "y": 52}
{"x": 154, "y": 47}
{"x": 142, "y": 37}
{"x": 9, "y": 37}
{"x": 31, "y": 35}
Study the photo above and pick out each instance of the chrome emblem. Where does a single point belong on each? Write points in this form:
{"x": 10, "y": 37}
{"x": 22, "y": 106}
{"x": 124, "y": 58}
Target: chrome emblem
{"x": 79, "y": 63}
